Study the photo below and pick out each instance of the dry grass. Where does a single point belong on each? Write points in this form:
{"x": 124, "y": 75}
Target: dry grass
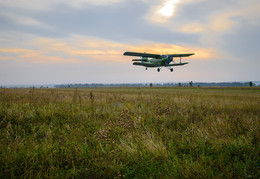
{"x": 130, "y": 132}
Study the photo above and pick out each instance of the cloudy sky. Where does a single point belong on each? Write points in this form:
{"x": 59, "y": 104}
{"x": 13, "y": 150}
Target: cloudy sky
{"x": 83, "y": 41}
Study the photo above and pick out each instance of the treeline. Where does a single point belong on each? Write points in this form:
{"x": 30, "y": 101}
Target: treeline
{"x": 184, "y": 84}
{"x": 221, "y": 84}
{"x": 100, "y": 85}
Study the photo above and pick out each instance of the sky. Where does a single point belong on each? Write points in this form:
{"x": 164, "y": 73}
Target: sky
{"x": 83, "y": 41}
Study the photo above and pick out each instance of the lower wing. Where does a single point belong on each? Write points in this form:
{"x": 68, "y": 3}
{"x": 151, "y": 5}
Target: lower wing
{"x": 177, "y": 64}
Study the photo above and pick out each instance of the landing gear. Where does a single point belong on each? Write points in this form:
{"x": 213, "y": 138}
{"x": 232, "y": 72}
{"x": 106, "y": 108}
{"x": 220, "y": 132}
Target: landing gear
{"x": 159, "y": 69}
{"x": 171, "y": 69}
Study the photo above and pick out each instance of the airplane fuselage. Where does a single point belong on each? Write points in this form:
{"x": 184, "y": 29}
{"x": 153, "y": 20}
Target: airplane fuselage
{"x": 155, "y": 62}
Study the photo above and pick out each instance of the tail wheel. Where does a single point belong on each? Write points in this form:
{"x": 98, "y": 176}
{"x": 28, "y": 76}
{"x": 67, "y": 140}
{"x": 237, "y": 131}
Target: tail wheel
{"x": 171, "y": 69}
{"x": 158, "y": 69}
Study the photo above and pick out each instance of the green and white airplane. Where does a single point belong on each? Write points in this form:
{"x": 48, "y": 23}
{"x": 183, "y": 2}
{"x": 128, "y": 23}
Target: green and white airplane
{"x": 149, "y": 60}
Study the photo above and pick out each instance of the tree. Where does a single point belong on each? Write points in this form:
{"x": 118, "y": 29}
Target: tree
{"x": 250, "y": 83}
{"x": 151, "y": 85}
{"x": 191, "y": 84}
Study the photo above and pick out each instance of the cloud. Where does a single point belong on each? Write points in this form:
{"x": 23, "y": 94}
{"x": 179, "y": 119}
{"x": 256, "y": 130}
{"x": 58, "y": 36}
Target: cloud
{"x": 15, "y": 50}
{"x": 223, "y": 20}
{"x": 200, "y": 16}
{"x": 46, "y": 5}
{"x": 34, "y": 56}
{"x": 22, "y": 19}
{"x": 118, "y": 22}
{"x": 37, "y": 58}
{"x": 87, "y": 50}
{"x": 75, "y": 49}
{"x": 227, "y": 26}
{"x": 5, "y": 58}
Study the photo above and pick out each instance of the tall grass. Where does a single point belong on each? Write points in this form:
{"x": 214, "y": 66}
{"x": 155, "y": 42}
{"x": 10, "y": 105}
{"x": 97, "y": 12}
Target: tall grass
{"x": 129, "y": 132}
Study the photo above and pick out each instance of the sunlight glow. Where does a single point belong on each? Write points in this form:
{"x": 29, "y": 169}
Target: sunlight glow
{"x": 168, "y": 9}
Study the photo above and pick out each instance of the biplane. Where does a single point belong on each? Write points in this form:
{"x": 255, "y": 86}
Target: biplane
{"x": 149, "y": 60}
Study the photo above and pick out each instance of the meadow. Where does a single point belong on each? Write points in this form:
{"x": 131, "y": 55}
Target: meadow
{"x": 130, "y": 133}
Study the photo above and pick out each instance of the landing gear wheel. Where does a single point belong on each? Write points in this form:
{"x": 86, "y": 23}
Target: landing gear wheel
{"x": 145, "y": 68}
{"x": 171, "y": 69}
{"x": 158, "y": 69}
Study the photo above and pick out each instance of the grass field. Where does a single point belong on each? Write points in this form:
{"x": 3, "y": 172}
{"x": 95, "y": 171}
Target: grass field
{"x": 130, "y": 132}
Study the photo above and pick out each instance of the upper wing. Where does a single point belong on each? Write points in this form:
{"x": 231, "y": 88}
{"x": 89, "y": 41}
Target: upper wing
{"x": 181, "y": 55}
{"x": 142, "y": 54}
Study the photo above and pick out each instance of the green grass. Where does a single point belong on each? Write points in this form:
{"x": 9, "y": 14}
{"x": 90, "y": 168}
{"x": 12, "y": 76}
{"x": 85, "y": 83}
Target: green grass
{"x": 130, "y": 132}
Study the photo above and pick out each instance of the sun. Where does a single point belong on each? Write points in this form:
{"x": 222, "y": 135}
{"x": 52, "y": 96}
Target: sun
{"x": 167, "y": 9}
